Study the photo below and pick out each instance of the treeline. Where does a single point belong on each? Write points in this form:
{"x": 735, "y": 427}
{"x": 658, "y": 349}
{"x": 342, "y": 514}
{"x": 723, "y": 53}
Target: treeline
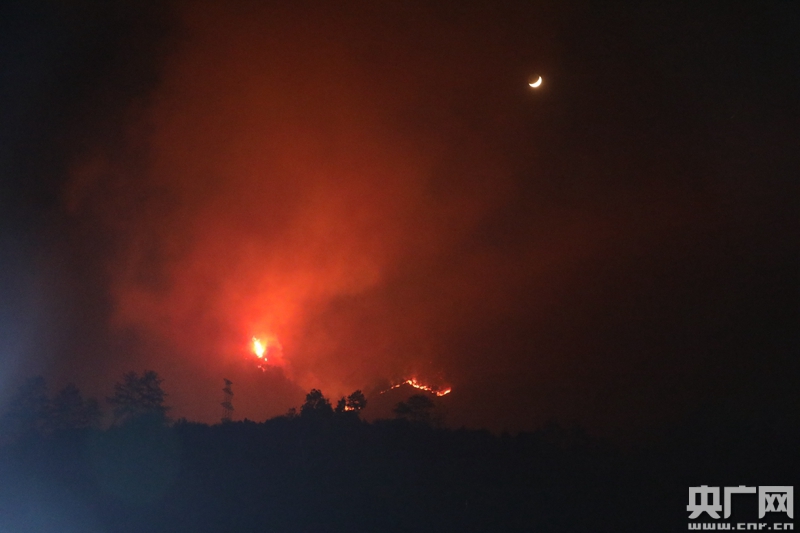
{"x": 321, "y": 468}
{"x": 33, "y": 411}
{"x": 317, "y": 468}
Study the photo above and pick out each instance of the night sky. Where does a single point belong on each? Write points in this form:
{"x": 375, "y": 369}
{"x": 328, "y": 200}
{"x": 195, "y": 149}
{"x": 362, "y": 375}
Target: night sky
{"x": 373, "y": 188}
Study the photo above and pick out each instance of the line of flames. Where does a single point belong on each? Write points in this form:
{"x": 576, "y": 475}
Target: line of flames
{"x": 417, "y": 385}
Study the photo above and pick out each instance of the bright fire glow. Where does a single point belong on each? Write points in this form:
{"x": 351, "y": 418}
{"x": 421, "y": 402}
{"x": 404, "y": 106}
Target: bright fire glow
{"x": 259, "y": 348}
{"x": 417, "y": 385}
{"x": 267, "y": 345}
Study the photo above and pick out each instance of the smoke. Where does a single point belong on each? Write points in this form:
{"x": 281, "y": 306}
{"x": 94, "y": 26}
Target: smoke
{"x": 296, "y": 175}
{"x": 374, "y": 186}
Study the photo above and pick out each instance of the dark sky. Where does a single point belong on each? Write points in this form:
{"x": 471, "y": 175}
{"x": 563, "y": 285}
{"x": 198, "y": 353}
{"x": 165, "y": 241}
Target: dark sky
{"x": 374, "y": 186}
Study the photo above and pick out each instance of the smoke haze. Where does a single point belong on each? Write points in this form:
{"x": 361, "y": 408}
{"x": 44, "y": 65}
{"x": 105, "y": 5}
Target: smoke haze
{"x": 374, "y": 186}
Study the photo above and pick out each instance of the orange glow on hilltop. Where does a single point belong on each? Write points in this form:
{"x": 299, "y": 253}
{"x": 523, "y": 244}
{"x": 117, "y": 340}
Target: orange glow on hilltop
{"x": 417, "y": 385}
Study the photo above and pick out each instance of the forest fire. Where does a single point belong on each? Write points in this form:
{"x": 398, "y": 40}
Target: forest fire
{"x": 267, "y": 347}
{"x": 417, "y": 385}
{"x": 259, "y": 348}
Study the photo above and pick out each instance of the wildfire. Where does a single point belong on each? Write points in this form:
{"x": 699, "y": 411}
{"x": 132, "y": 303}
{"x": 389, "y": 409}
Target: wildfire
{"x": 259, "y": 348}
{"x": 417, "y": 385}
{"x": 267, "y": 345}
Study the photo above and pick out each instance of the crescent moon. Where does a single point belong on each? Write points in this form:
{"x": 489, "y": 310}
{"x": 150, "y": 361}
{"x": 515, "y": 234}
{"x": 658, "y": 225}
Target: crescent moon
{"x": 536, "y": 83}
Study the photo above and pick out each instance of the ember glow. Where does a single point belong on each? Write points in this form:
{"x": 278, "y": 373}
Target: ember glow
{"x": 417, "y": 385}
{"x": 259, "y": 348}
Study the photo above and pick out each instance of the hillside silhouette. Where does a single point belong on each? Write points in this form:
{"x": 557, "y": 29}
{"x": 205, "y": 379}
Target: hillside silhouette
{"x": 322, "y": 468}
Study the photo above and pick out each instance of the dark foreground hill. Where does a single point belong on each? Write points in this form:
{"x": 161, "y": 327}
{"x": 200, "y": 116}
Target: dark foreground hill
{"x": 343, "y": 475}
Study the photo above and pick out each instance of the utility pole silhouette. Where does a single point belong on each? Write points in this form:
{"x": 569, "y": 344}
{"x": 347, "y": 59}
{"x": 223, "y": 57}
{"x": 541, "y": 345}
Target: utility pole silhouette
{"x": 227, "y": 406}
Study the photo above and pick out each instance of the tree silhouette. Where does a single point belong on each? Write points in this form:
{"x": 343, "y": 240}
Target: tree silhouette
{"x": 353, "y": 403}
{"x": 356, "y": 401}
{"x": 316, "y": 405}
{"x": 137, "y": 396}
{"x": 341, "y": 405}
{"x": 32, "y": 411}
{"x": 418, "y": 408}
{"x": 69, "y": 410}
